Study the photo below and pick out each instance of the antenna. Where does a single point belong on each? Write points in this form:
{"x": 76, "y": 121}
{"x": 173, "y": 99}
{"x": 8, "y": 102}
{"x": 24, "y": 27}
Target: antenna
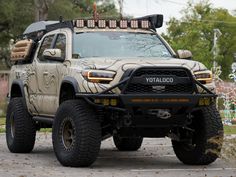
{"x": 121, "y": 4}
{"x": 60, "y": 19}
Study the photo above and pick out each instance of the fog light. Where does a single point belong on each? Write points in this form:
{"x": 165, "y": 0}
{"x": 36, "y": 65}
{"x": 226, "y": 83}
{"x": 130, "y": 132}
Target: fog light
{"x": 106, "y": 102}
{"x": 204, "y": 102}
{"x": 113, "y": 102}
{"x": 207, "y": 101}
{"x": 97, "y": 101}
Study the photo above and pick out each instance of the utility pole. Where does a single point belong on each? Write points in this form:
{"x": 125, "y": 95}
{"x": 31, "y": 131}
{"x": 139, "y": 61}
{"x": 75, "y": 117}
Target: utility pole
{"x": 121, "y": 4}
{"x": 217, "y": 34}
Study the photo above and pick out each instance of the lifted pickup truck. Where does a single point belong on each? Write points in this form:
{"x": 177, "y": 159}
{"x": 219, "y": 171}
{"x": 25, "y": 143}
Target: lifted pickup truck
{"x": 92, "y": 79}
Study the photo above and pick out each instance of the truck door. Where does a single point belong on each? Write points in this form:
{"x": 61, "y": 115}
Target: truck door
{"x": 47, "y": 76}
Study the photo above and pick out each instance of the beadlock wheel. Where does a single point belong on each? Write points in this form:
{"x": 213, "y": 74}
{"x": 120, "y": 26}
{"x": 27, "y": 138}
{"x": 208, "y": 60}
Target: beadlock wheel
{"x": 68, "y": 133}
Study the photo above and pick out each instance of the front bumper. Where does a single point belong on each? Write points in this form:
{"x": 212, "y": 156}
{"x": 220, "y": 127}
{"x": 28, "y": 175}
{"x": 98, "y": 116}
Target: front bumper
{"x": 125, "y": 101}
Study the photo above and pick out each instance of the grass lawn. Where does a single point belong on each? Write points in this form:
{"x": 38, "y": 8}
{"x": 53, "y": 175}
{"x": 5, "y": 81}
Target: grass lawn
{"x": 2, "y": 121}
{"x": 2, "y": 124}
{"x": 230, "y": 129}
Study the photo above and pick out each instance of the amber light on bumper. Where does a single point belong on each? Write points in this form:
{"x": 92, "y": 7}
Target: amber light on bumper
{"x": 106, "y": 102}
{"x": 204, "y": 101}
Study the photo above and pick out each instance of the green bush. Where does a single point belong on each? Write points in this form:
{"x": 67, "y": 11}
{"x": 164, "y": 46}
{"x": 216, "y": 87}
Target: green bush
{"x": 3, "y": 108}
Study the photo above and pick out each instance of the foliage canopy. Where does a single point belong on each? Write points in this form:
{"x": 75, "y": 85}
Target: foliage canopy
{"x": 16, "y": 15}
{"x": 194, "y": 31}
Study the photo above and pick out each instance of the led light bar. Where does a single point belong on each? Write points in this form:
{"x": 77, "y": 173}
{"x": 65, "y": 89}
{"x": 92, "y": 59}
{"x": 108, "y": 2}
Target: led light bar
{"x": 80, "y": 23}
{"x": 112, "y": 24}
{"x": 123, "y": 24}
{"x": 91, "y": 23}
{"x": 101, "y": 23}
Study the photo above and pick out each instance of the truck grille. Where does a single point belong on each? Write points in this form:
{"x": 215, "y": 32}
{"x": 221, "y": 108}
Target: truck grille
{"x": 179, "y": 87}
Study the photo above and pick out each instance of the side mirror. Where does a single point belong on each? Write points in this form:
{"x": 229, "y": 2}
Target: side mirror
{"x": 184, "y": 54}
{"x": 53, "y": 54}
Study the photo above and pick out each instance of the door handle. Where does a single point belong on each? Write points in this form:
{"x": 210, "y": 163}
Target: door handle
{"x": 45, "y": 73}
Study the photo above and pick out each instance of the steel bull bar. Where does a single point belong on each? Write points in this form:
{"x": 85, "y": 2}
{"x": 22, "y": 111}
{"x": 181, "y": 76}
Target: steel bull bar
{"x": 124, "y": 101}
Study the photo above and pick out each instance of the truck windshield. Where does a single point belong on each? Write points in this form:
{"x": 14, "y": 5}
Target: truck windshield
{"x": 118, "y": 44}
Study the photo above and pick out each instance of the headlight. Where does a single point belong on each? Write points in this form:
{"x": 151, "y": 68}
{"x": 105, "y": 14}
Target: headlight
{"x": 205, "y": 77}
{"x": 98, "y": 76}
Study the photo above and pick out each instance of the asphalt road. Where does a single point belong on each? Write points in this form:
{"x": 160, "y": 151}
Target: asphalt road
{"x": 155, "y": 158}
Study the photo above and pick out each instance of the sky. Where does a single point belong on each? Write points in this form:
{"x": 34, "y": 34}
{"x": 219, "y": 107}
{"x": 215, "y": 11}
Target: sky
{"x": 169, "y": 8}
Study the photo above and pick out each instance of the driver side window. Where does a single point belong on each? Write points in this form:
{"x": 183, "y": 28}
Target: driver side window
{"x": 46, "y": 44}
{"x": 61, "y": 44}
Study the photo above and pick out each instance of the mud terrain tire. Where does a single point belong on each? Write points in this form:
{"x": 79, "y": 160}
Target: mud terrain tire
{"x": 76, "y": 134}
{"x": 20, "y": 128}
{"x": 206, "y": 142}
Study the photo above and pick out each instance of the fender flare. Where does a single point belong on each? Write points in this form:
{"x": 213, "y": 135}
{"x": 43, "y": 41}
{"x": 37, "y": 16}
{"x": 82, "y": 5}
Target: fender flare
{"x": 72, "y": 81}
{"x": 20, "y": 84}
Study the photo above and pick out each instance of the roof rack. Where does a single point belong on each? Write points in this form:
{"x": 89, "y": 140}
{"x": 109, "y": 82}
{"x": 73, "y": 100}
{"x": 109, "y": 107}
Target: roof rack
{"x": 36, "y": 30}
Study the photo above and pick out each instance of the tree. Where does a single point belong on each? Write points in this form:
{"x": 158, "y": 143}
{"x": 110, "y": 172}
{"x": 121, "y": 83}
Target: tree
{"x": 194, "y": 31}
{"x": 16, "y": 15}
{"x": 41, "y": 9}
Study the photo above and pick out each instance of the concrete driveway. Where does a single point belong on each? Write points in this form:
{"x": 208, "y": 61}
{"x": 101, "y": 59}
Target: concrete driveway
{"x": 155, "y": 158}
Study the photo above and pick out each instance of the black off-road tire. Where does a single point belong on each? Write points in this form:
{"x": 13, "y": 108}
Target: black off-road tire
{"x": 207, "y": 139}
{"x": 76, "y": 134}
{"x": 127, "y": 143}
{"x": 20, "y": 127}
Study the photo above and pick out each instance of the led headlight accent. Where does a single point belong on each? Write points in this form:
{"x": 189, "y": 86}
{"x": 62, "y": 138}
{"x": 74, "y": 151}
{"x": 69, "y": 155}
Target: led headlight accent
{"x": 98, "y": 76}
{"x": 205, "y": 77}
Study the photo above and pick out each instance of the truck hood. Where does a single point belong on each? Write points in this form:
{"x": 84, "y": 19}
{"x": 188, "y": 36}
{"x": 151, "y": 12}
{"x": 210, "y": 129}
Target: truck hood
{"x": 115, "y": 64}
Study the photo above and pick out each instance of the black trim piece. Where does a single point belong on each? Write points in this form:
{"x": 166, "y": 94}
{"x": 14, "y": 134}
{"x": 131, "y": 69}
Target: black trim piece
{"x": 114, "y": 86}
{"x": 47, "y": 120}
{"x": 65, "y": 24}
{"x": 73, "y": 82}
{"x": 20, "y": 84}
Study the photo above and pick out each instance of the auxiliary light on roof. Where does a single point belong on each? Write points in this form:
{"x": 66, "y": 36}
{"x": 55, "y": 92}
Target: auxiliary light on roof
{"x": 134, "y": 24}
{"x": 91, "y": 23}
{"x": 123, "y": 24}
{"x": 101, "y": 23}
{"x": 113, "y": 24}
{"x": 80, "y": 23}
{"x": 145, "y": 24}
